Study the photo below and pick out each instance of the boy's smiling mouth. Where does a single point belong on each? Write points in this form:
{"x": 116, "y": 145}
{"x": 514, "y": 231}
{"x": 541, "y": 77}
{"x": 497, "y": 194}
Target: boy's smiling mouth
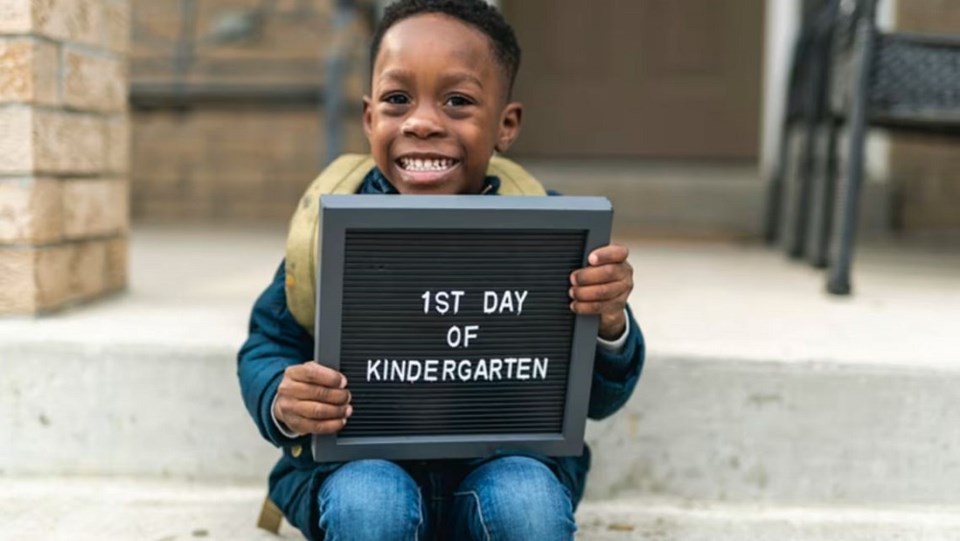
{"x": 426, "y": 169}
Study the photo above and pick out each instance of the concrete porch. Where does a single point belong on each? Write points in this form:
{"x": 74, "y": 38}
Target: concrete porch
{"x": 768, "y": 410}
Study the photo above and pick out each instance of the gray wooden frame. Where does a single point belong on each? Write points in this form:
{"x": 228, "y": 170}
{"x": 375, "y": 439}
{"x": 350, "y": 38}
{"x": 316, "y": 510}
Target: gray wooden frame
{"x": 339, "y": 213}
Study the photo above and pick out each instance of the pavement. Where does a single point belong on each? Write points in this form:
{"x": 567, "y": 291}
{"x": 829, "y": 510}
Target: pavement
{"x": 122, "y": 510}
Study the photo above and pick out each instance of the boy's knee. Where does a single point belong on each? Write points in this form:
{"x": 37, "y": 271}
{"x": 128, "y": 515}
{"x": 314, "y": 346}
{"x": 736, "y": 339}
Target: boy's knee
{"x": 370, "y": 499}
{"x": 517, "y": 498}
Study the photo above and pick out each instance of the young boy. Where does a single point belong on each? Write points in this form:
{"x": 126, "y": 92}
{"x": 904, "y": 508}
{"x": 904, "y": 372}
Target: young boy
{"x": 439, "y": 107}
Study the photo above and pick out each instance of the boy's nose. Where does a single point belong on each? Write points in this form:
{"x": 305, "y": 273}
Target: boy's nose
{"x": 422, "y": 123}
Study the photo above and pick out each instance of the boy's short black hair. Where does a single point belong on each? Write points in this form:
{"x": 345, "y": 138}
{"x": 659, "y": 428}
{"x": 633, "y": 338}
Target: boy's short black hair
{"x": 476, "y": 13}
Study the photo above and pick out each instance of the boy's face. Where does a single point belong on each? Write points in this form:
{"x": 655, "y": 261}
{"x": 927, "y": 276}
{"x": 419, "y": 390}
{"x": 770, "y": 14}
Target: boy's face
{"x": 438, "y": 106}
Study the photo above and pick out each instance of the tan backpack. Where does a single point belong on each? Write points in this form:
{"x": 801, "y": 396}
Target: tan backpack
{"x": 345, "y": 176}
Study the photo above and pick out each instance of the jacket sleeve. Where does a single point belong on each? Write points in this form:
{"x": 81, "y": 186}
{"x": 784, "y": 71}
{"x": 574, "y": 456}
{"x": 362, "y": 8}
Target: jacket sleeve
{"x": 616, "y": 373}
{"x": 275, "y": 341}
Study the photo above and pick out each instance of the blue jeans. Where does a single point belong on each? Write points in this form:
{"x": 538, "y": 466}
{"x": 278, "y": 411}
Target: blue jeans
{"x": 510, "y": 498}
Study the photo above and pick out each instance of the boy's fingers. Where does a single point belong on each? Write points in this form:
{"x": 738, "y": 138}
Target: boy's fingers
{"x": 602, "y": 274}
{"x": 327, "y": 427}
{"x": 612, "y": 253}
{"x": 316, "y": 373}
{"x": 315, "y": 393}
{"x": 307, "y": 426}
{"x": 599, "y": 293}
{"x": 609, "y": 306}
{"x": 315, "y": 411}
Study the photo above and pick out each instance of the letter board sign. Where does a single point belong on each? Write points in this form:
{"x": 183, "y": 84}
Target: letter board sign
{"x": 449, "y": 317}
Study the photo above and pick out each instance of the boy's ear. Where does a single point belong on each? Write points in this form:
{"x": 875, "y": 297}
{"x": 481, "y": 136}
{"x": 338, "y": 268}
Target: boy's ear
{"x": 367, "y": 116}
{"x": 509, "y": 128}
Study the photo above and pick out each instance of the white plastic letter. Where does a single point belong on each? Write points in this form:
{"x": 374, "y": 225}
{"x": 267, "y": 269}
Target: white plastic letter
{"x": 481, "y": 371}
{"x": 399, "y": 369}
{"x": 454, "y": 336}
{"x": 540, "y": 367}
{"x": 430, "y": 370}
{"x": 456, "y": 300}
{"x": 373, "y": 369}
{"x": 520, "y": 299}
{"x": 489, "y": 302}
{"x": 495, "y": 365}
{"x": 523, "y": 368}
{"x": 507, "y": 302}
{"x": 510, "y": 362}
{"x": 463, "y": 370}
{"x": 411, "y": 377}
{"x": 470, "y": 331}
{"x": 443, "y": 302}
{"x": 449, "y": 365}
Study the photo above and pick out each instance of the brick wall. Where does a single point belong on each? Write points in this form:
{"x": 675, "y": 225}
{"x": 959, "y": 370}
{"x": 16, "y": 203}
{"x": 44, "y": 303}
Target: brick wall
{"x": 221, "y": 161}
{"x": 925, "y": 170}
{"x": 63, "y": 151}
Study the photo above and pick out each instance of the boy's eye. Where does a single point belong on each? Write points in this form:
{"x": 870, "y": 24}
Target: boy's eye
{"x": 458, "y": 101}
{"x": 396, "y": 99}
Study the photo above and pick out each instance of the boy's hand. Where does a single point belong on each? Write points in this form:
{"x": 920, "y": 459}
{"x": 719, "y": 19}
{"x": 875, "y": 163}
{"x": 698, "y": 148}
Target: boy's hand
{"x": 312, "y": 399}
{"x": 603, "y": 288}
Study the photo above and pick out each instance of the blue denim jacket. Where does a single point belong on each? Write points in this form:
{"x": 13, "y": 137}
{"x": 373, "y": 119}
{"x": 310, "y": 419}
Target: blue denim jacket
{"x": 277, "y": 341}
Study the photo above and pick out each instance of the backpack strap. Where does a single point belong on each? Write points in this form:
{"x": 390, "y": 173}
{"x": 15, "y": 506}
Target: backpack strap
{"x": 514, "y": 180}
{"x": 345, "y": 176}
{"x": 270, "y": 517}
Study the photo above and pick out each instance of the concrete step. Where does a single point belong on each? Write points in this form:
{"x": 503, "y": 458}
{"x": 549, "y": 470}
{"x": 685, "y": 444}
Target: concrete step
{"x": 758, "y": 388}
{"x": 696, "y": 428}
{"x": 788, "y": 432}
{"x": 645, "y": 519}
{"x": 120, "y": 510}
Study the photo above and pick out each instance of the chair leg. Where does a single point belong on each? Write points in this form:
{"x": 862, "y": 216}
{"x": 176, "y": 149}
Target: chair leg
{"x": 774, "y": 207}
{"x": 845, "y": 219}
{"x": 817, "y": 183}
{"x": 801, "y": 215}
{"x": 820, "y": 228}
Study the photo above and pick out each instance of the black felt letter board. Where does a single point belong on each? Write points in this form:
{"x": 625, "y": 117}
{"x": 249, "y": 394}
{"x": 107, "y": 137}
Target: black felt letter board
{"x": 449, "y": 316}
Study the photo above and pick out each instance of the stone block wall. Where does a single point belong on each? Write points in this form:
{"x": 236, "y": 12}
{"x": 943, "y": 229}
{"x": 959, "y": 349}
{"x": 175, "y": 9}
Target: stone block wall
{"x": 64, "y": 152}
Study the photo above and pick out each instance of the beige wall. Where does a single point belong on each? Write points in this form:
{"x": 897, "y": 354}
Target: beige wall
{"x": 63, "y": 151}
{"x": 252, "y": 162}
{"x": 925, "y": 170}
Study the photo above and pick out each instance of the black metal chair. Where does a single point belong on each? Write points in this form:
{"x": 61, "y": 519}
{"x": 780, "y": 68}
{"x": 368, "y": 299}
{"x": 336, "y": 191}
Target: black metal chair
{"x": 894, "y": 80}
{"x": 899, "y": 81}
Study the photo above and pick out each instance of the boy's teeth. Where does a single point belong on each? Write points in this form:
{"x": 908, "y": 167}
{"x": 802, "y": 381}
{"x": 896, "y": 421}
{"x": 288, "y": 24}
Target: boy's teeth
{"x": 426, "y": 165}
